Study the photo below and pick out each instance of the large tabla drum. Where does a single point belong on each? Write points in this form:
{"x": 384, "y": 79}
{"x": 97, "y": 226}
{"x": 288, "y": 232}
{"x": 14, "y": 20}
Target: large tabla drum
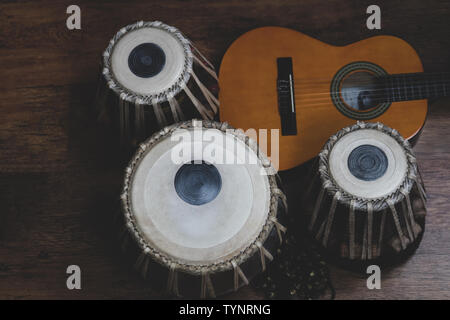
{"x": 366, "y": 200}
{"x": 152, "y": 76}
{"x": 203, "y": 209}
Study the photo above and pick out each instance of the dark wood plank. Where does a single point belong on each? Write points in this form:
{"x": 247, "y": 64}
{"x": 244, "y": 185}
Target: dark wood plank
{"x": 60, "y": 173}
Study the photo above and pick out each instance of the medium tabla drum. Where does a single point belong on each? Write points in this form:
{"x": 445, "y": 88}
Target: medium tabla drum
{"x": 152, "y": 76}
{"x": 366, "y": 200}
{"x": 203, "y": 209}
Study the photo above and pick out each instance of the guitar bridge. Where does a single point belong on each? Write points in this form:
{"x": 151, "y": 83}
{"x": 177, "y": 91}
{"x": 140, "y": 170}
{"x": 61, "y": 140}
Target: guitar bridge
{"x": 286, "y": 99}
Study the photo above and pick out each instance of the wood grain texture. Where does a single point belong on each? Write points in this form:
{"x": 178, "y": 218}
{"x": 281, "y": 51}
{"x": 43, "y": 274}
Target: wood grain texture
{"x": 60, "y": 173}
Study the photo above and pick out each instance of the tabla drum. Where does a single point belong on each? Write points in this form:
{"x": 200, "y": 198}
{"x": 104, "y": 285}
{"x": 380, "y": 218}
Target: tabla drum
{"x": 366, "y": 200}
{"x": 152, "y": 76}
{"x": 203, "y": 209}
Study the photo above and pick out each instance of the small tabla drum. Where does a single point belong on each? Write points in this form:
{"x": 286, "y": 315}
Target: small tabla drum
{"x": 366, "y": 200}
{"x": 202, "y": 208}
{"x": 152, "y": 76}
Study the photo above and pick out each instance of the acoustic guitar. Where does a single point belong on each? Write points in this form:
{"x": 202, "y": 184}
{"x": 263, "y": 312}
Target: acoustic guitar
{"x": 277, "y": 78}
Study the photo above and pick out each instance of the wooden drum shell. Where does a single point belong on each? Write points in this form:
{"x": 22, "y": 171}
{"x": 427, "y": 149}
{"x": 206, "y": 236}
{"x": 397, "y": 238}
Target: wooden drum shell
{"x": 214, "y": 279}
{"x": 134, "y": 114}
{"x": 355, "y": 230}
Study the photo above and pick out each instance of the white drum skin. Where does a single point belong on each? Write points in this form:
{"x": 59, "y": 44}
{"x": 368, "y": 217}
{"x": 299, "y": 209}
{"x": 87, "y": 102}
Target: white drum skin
{"x": 384, "y": 185}
{"x": 192, "y": 246}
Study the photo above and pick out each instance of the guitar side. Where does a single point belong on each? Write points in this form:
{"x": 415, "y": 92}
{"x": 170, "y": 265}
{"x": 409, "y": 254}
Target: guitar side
{"x": 248, "y": 94}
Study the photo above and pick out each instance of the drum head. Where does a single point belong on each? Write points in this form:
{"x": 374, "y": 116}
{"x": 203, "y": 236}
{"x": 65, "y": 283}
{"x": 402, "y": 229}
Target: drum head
{"x": 191, "y": 206}
{"x": 150, "y": 60}
{"x": 368, "y": 164}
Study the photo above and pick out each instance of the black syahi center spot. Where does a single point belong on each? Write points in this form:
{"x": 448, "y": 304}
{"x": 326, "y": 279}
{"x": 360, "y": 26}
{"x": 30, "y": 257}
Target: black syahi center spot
{"x": 198, "y": 183}
{"x": 146, "y": 60}
{"x": 367, "y": 162}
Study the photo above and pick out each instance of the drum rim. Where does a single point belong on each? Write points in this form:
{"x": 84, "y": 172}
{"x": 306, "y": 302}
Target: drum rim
{"x": 221, "y": 266}
{"x": 134, "y": 97}
{"x": 412, "y": 175}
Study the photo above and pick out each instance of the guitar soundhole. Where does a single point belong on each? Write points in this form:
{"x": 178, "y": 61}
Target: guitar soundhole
{"x": 360, "y": 92}
{"x": 357, "y": 92}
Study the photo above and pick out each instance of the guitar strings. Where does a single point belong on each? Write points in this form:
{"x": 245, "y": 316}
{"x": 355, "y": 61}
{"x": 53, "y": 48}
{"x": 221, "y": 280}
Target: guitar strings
{"x": 380, "y": 93}
{"x": 414, "y": 91}
{"x": 306, "y": 83}
{"x": 432, "y": 87}
{"x": 390, "y": 96}
{"x": 324, "y": 99}
{"x": 327, "y": 101}
{"x": 400, "y": 80}
{"x": 439, "y": 76}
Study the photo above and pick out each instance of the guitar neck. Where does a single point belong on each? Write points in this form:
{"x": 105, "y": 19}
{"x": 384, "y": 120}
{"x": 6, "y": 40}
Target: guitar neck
{"x": 415, "y": 86}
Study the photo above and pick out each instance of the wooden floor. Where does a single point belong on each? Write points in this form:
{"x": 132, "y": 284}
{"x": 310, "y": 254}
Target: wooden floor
{"x": 60, "y": 173}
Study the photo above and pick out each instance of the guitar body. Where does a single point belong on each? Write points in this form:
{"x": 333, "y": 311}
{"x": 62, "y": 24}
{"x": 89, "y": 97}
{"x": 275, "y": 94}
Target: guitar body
{"x": 248, "y": 91}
